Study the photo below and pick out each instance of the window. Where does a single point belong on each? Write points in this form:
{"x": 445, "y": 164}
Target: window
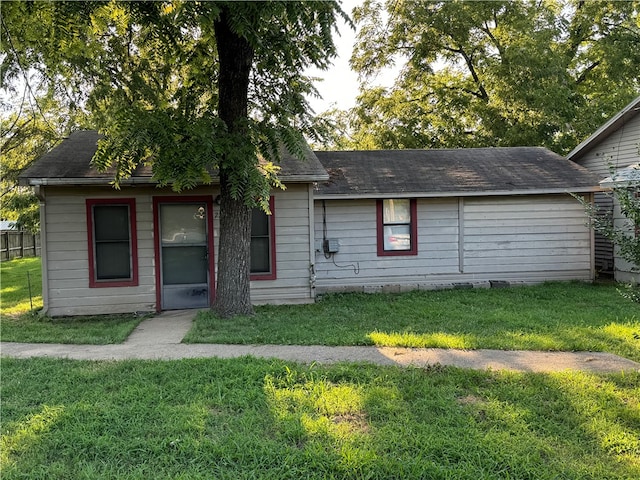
{"x": 397, "y": 228}
{"x": 263, "y": 252}
{"x": 113, "y": 259}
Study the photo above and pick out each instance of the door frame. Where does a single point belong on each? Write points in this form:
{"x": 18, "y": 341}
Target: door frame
{"x": 174, "y": 199}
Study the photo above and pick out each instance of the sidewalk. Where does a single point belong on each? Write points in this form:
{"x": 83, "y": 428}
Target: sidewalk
{"x": 159, "y": 338}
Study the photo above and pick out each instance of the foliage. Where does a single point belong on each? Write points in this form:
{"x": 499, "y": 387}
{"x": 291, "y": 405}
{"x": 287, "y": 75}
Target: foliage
{"x": 625, "y": 236}
{"x": 552, "y": 316}
{"x": 248, "y": 418}
{"x": 192, "y": 88}
{"x": 492, "y": 73}
{"x": 149, "y": 72}
{"x": 33, "y": 127}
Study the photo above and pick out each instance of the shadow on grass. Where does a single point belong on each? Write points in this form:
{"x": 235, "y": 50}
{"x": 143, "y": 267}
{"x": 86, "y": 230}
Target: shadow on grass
{"x": 250, "y": 418}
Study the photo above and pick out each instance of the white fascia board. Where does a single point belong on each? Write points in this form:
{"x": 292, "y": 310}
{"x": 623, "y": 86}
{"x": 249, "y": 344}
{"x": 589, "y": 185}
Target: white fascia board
{"x": 303, "y": 178}
{"x": 79, "y": 182}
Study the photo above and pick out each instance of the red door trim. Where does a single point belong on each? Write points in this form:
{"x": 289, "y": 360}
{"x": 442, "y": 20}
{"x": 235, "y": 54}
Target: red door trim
{"x": 208, "y": 200}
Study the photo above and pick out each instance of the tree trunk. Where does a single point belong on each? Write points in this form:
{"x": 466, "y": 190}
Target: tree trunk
{"x": 236, "y": 57}
{"x": 233, "y": 296}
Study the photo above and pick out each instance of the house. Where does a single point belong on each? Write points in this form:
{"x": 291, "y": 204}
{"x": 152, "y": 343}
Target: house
{"x": 613, "y": 147}
{"x": 144, "y": 248}
{"x": 406, "y": 219}
{"x": 347, "y": 221}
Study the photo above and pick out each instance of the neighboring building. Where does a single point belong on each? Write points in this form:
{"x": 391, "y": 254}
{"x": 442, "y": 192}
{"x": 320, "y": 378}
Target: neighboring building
{"x": 346, "y": 221}
{"x": 613, "y": 147}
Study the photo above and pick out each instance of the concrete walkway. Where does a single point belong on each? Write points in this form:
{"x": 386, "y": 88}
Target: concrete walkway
{"x": 159, "y": 338}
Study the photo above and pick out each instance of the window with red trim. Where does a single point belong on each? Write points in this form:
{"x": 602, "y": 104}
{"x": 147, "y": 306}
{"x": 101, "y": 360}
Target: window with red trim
{"x": 397, "y": 227}
{"x": 112, "y": 242}
{"x": 263, "y": 241}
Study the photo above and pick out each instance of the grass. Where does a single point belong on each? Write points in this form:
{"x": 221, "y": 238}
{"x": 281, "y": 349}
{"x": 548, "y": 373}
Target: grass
{"x": 22, "y": 324}
{"x": 249, "y": 418}
{"x": 552, "y": 316}
{"x": 91, "y": 330}
{"x": 15, "y": 276}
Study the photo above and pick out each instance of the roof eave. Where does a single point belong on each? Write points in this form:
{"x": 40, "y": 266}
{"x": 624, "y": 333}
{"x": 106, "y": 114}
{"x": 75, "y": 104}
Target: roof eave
{"x": 477, "y": 193}
{"x": 78, "y": 182}
{"x": 613, "y": 124}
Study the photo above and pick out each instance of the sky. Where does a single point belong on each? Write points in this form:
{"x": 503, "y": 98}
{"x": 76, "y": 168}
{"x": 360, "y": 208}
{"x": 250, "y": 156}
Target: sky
{"x": 339, "y": 84}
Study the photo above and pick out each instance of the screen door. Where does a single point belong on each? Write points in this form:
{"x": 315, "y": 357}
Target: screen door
{"x": 184, "y": 255}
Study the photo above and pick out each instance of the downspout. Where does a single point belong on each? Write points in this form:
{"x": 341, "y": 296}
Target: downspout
{"x": 39, "y": 192}
{"x": 461, "y": 235}
{"x": 592, "y": 241}
{"x": 312, "y": 243}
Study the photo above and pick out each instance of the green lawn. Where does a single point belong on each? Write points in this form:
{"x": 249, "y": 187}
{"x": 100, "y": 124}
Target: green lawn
{"x": 248, "y": 418}
{"x": 15, "y": 276}
{"x": 21, "y": 324}
{"x": 552, "y": 316}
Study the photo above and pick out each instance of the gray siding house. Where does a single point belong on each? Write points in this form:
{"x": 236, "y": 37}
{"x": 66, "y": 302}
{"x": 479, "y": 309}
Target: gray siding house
{"x": 406, "y": 219}
{"x": 613, "y": 147}
{"x": 144, "y": 248}
{"x": 367, "y": 220}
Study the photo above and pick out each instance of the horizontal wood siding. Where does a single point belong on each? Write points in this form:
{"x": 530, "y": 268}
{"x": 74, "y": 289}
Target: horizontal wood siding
{"x": 620, "y": 149}
{"x": 292, "y": 250}
{"x": 519, "y": 239}
{"x": 67, "y": 255}
{"x": 68, "y": 260}
{"x": 603, "y": 247}
{"x": 353, "y": 223}
{"x": 544, "y": 236}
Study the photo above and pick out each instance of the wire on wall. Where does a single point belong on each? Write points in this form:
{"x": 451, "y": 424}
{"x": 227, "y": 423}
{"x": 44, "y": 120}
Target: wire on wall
{"x": 331, "y": 255}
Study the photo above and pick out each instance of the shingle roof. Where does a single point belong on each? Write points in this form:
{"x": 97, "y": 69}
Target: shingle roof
{"x": 470, "y": 171}
{"x": 373, "y": 173}
{"x": 69, "y": 163}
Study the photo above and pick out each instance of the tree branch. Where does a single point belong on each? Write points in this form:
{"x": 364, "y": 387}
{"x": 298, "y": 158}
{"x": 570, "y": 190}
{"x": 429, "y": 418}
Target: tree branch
{"x": 583, "y": 75}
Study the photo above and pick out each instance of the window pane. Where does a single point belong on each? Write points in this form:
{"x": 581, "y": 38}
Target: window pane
{"x": 397, "y": 237}
{"x": 260, "y": 262}
{"x": 111, "y": 222}
{"x": 113, "y": 261}
{"x": 259, "y": 223}
{"x": 184, "y": 223}
{"x": 184, "y": 265}
{"x": 396, "y": 211}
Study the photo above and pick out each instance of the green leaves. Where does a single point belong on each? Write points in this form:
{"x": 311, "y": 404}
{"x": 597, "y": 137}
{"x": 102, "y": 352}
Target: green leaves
{"x": 150, "y": 70}
{"x": 493, "y": 73}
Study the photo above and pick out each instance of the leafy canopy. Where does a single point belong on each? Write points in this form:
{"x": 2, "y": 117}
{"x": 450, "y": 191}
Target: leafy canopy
{"x": 492, "y": 73}
{"x": 148, "y": 72}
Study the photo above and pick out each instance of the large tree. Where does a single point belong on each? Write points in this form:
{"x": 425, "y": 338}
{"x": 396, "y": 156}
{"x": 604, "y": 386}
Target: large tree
{"x": 30, "y": 125}
{"x": 492, "y": 73}
{"x": 194, "y": 88}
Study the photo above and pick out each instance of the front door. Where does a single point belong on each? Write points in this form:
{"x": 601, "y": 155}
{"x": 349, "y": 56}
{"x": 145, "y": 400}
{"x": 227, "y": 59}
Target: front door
{"x": 185, "y": 266}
